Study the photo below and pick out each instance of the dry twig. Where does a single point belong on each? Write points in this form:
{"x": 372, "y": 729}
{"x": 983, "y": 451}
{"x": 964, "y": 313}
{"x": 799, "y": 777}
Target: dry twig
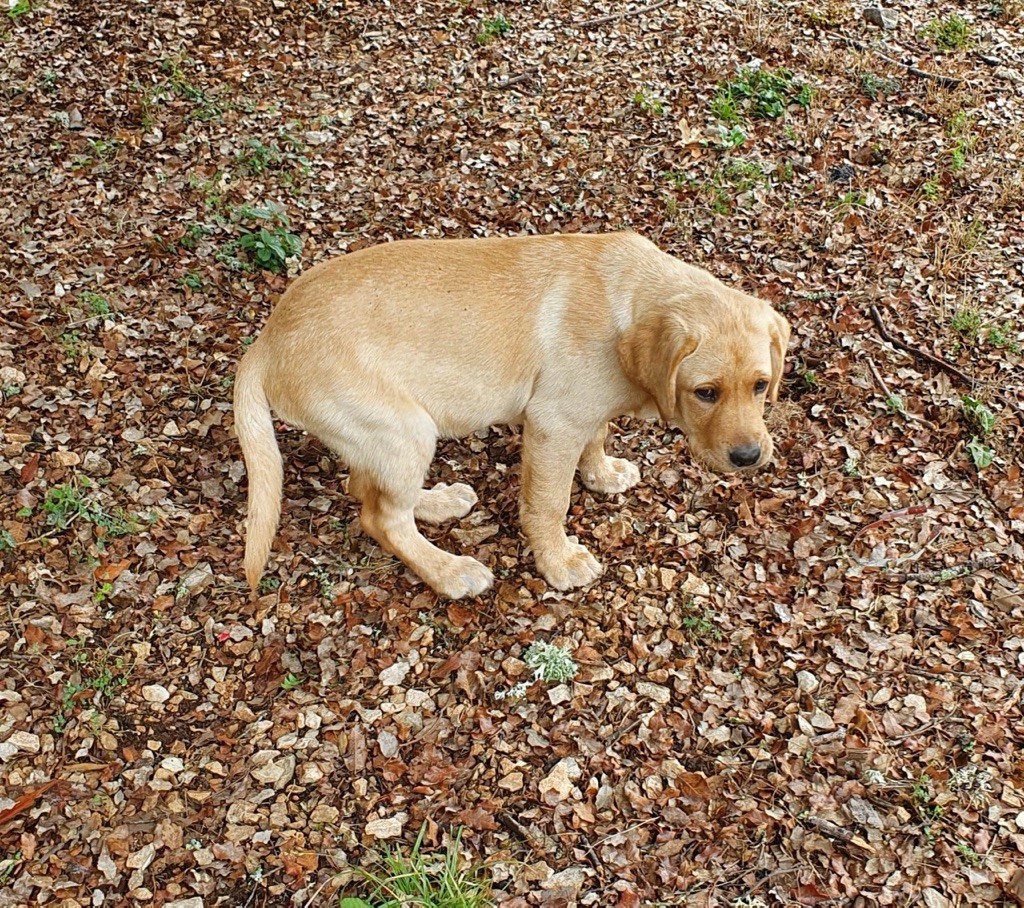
{"x": 916, "y": 351}
{"x": 601, "y": 20}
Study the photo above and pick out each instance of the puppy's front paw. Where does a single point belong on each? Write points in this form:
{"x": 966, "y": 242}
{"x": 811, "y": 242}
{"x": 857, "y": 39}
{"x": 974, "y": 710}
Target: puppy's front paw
{"x": 573, "y": 567}
{"x": 465, "y": 578}
{"x": 612, "y": 476}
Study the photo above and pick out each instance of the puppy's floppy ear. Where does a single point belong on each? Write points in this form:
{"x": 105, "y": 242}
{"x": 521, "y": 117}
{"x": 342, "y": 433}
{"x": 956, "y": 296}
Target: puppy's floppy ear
{"x": 650, "y": 351}
{"x": 778, "y": 332}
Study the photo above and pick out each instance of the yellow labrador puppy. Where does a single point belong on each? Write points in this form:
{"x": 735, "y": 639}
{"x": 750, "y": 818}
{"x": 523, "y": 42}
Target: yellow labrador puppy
{"x": 381, "y": 352}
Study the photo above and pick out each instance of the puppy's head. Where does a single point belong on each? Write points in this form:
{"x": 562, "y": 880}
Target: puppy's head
{"x": 710, "y": 363}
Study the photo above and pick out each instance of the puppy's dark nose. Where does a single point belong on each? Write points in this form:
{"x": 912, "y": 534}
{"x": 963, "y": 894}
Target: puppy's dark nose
{"x": 745, "y": 455}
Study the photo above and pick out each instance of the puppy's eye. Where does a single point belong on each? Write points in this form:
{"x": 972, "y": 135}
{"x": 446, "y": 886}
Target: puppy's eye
{"x": 761, "y": 387}
{"x": 708, "y": 395}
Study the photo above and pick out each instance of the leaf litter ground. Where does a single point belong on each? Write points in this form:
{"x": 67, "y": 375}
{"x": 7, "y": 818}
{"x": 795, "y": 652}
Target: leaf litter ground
{"x": 801, "y": 687}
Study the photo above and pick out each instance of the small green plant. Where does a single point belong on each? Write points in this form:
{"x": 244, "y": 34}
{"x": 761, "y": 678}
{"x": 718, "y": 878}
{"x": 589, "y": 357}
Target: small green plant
{"x": 7, "y": 865}
{"x": 850, "y": 199}
{"x": 809, "y": 378}
{"x": 70, "y": 343}
{"x": 6, "y": 541}
{"x": 649, "y": 102}
{"x": 267, "y": 584}
{"x": 290, "y": 682}
{"x": 268, "y": 247}
{"x": 743, "y": 175}
{"x": 980, "y": 418}
{"x": 878, "y": 86}
{"x": 1004, "y": 336}
{"x": 95, "y": 673}
{"x": 492, "y": 27}
{"x": 258, "y": 156}
{"x": 948, "y": 32}
{"x": 271, "y": 248}
{"x": 96, "y": 304}
{"x": 102, "y": 591}
{"x": 66, "y": 503}
{"x": 958, "y": 124}
{"x": 850, "y": 466}
{"x": 697, "y": 624}
{"x": 731, "y": 138}
{"x": 725, "y": 107}
{"x": 421, "y": 880}
{"x": 549, "y": 662}
{"x": 981, "y": 454}
{"x": 323, "y": 580}
{"x": 192, "y": 235}
{"x": 930, "y": 188}
{"x": 206, "y": 108}
{"x": 18, "y": 8}
{"x": 968, "y": 854}
{"x": 761, "y": 93}
{"x": 894, "y": 404}
{"x": 193, "y": 280}
{"x": 966, "y": 321}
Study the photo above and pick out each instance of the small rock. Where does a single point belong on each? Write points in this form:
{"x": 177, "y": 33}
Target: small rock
{"x": 559, "y": 782}
{"x": 194, "y": 902}
{"x": 172, "y": 764}
{"x": 806, "y": 682}
{"x": 170, "y": 429}
{"x": 655, "y": 692}
{"x": 394, "y": 674}
{"x": 512, "y": 782}
{"x": 24, "y": 741}
{"x": 309, "y": 774}
{"x": 568, "y": 882}
{"x": 561, "y": 693}
{"x": 141, "y": 859}
{"x": 11, "y": 377}
{"x": 883, "y": 18}
{"x": 324, "y": 813}
{"x": 388, "y": 743}
{"x": 195, "y": 581}
{"x": 318, "y": 137}
{"x": 61, "y": 459}
{"x": 155, "y": 693}
{"x": 387, "y": 828}
{"x": 273, "y": 768}
{"x": 96, "y": 464}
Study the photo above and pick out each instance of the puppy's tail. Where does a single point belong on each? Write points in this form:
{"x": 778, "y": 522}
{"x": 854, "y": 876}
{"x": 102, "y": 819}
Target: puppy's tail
{"x": 255, "y": 430}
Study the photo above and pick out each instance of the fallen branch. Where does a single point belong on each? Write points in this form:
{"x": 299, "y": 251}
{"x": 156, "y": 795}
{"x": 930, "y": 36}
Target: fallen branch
{"x": 832, "y": 830}
{"x": 986, "y": 59}
{"x": 916, "y": 351}
{"x": 944, "y": 81}
{"x": 511, "y": 81}
{"x": 885, "y": 390}
{"x": 601, "y": 20}
{"x": 943, "y": 575}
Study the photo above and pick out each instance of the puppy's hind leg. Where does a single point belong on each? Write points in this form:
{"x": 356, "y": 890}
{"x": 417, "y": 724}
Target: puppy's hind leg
{"x": 387, "y": 476}
{"x": 443, "y": 502}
